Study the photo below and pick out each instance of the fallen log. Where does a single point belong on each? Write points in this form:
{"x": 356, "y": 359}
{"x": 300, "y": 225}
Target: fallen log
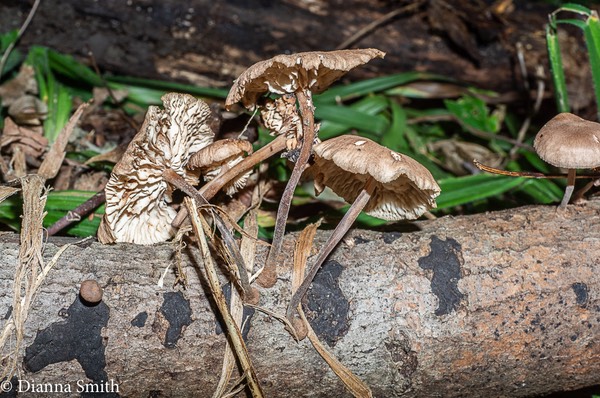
{"x": 502, "y": 304}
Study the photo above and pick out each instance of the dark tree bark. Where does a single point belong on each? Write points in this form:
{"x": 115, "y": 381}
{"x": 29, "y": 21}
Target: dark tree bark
{"x": 501, "y": 304}
{"x": 210, "y": 43}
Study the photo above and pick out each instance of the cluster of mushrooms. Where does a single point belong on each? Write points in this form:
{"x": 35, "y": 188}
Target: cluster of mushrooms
{"x": 175, "y": 150}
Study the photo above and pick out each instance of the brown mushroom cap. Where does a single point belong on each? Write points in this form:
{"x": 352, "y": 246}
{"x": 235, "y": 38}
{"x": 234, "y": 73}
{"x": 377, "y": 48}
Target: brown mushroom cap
{"x": 284, "y": 74}
{"x": 90, "y": 291}
{"x": 219, "y": 152}
{"x": 211, "y": 160}
{"x": 569, "y": 141}
{"x": 404, "y": 190}
{"x": 137, "y": 196}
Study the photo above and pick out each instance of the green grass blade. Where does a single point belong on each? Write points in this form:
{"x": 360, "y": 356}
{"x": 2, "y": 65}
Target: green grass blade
{"x": 461, "y": 190}
{"x": 542, "y": 191}
{"x": 69, "y": 67}
{"x": 556, "y": 66}
{"x": 6, "y": 40}
{"x": 358, "y": 89}
{"x": 572, "y": 7}
{"x": 394, "y": 137}
{"x": 352, "y": 119}
{"x": 592, "y": 40}
{"x": 331, "y": 126}
{"x": 60, "y": 202}
{"x": 164, "y": 87}
{"x": 57, "y": 206}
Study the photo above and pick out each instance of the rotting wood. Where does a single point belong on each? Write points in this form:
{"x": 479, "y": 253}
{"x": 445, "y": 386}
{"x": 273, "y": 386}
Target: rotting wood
{"x": 496, "y": 304}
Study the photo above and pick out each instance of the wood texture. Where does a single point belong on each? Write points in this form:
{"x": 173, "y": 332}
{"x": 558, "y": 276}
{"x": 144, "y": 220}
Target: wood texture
{"x": 503, "y": 304}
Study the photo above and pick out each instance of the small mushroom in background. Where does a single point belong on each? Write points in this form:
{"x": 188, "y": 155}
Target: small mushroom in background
{"x": 219, "y": 157}
{"x": 90, "y": 291}
{"x": 138, "y": 194}
{"x": 376, "y": 180}
{"x": 300, "y": 75}
{"x": 570, "y": 142}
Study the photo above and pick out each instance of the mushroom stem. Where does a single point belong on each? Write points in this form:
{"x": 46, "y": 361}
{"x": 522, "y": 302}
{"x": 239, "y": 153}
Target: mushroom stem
{"x": 209, "y": 190}
{"x": 178, "y": 181}
{"x": 570, "y": 187}
{"x": 308, "y": 136}
{"x": 338, "y": 233}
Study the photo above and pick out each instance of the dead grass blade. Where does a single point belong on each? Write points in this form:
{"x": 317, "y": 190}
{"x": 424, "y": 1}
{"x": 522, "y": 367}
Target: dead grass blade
{"x": 30, "y": 272}
{"x": 355, "y": 385}
{"x": 51, "y": 164}
{"x": 5, "y": 192}
{"x": 248, "y": 251}
{"x": 231, "y": 327}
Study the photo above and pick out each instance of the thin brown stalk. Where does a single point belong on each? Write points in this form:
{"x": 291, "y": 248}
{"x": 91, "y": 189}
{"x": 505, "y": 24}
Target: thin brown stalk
{"x": 308, "y": 136}
{"x": 78, "y": 213}
{"x": 355, "y": 385}
{"x": 527, "y": 174}
{"x": 209, "y": 190}
{"x": 178, "y": 181}
{"x": 336, "y": 236}
{"x": 233, "y": 330}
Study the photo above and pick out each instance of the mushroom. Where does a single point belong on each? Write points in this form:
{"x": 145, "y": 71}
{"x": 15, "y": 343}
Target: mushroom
{"x": 383, "y": 183}
{"x": 90, "y": 291}
{"x": 570, "y": 142}
{"x": 219, "y": 157}
{"x": 300, "y": 75}
{"x": 138, "y": 192}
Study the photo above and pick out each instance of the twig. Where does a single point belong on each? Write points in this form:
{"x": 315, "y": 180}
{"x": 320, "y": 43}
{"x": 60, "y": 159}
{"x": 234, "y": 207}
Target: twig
{"x": 78, "y": 213}
{"x": 377, "y": 23}
{"x": 526, "y": 174}
{"x": 19, "y": 34}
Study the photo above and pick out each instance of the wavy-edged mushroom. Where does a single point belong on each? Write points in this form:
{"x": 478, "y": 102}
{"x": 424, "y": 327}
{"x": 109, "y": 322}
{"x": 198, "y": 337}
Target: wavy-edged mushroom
{"x": 219, "y": 157}
{"x": 376, "y": 180}
{"x": 570, "y": 142}
{"x": 138, "y": 194}
{"x": 301, "y": 75}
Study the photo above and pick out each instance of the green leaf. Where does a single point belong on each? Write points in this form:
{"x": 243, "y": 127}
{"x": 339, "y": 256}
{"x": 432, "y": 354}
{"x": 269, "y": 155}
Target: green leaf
{"x": 473, "y": 112}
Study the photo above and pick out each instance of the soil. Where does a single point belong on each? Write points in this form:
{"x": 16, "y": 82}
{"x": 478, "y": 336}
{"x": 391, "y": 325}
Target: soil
{"x": 209, "y": 43}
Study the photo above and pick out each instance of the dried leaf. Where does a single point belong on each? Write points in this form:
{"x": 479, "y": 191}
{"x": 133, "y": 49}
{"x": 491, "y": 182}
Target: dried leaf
{"x": 51, "y": 164}
{"x": 20, "y": 85}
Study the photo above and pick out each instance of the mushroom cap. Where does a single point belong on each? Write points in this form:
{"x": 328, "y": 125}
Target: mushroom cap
{"x": 286, "y": 73}
{"x": 90, "y": 291}
{"x": 569, "y": 141}
{"x": 404, "y": 188}
{"x": 137, "y": 196}
{"x": 222, "y": 153}
{"x": 219, "y": 152}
